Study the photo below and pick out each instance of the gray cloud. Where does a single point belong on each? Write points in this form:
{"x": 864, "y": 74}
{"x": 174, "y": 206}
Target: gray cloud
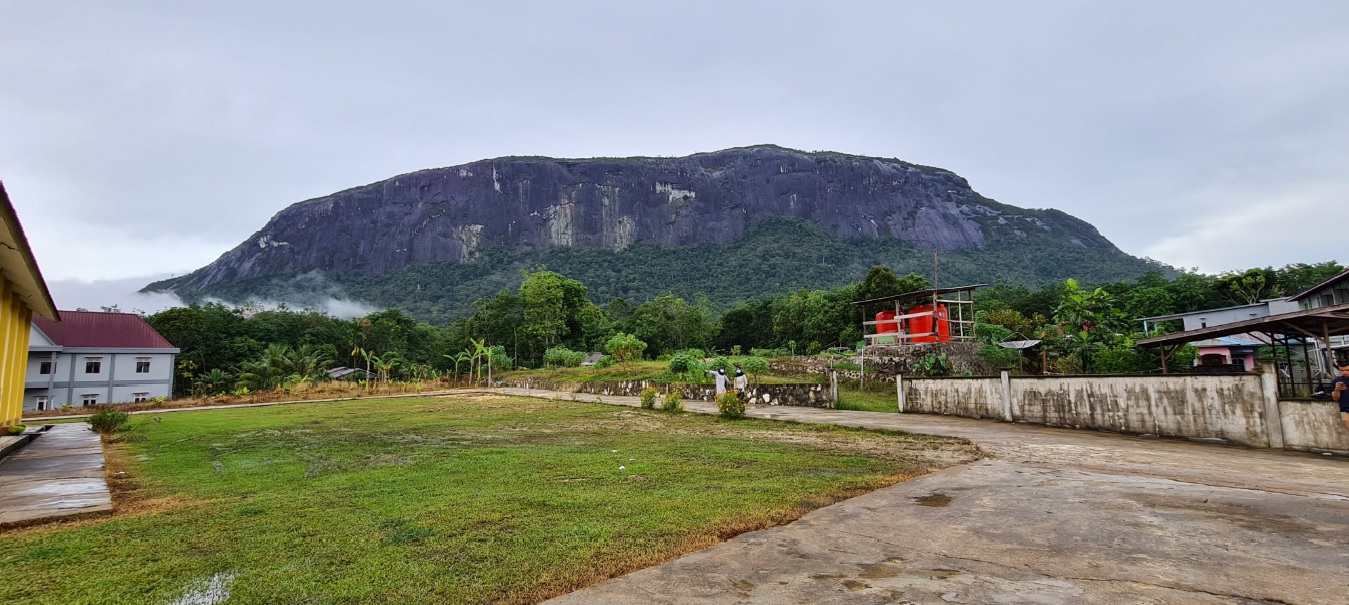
{"x": 150, "y": 137}
{"x": 70, "y": 294}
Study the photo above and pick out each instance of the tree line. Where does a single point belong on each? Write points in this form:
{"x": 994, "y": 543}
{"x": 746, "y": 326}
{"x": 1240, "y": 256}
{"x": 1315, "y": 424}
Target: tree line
{"x": 1086, "y": 328}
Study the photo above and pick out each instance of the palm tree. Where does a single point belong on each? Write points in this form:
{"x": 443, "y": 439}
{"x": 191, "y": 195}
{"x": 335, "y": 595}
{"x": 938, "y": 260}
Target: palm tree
{"x": 213, "y": 382}
{"x": 457, "y": 358}
{"x": 383, "y": 365}
{"x": 466, "y": 358}
{"x": 306, "y": 364}
{"x": 259, "y": 375}
{"x": 479, "y": 349}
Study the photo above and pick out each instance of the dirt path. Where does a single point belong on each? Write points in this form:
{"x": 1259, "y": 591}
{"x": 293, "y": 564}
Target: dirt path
{"x": 1054, "y": 516}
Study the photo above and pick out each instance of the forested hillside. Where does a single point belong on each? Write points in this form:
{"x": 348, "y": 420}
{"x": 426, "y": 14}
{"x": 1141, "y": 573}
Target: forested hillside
{"x": 773, "y": 258}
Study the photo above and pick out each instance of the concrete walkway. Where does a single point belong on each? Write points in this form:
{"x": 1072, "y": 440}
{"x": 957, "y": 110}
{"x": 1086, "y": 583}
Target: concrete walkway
{"x": 1053, "y": 516}
{"x": 58, "y": 475}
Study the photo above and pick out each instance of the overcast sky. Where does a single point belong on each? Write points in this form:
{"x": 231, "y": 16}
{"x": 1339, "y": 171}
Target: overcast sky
{"x": 146, "y": 138}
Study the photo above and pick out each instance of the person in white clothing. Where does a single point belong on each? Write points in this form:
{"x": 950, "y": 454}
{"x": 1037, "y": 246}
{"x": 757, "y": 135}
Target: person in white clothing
{"x": 741, "y": 381}
{"x": 720, "y": 375}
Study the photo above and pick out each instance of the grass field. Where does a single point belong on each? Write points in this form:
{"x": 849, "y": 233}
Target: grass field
{"x": 469, "y": 499}
{"x": 868, "y": 401}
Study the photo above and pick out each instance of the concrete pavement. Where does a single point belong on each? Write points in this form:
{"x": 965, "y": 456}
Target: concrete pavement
{"x": 1053, "y": 516}
{"x": 58, "y": 475}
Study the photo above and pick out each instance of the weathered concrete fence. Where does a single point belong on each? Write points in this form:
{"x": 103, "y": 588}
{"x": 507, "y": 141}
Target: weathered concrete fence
{"x": 801, "y": 395}
{"x": 1240, "y": 408}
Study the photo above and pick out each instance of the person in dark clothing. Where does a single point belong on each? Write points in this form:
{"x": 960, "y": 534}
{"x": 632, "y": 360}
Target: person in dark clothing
{"x": 1340, "y": 393}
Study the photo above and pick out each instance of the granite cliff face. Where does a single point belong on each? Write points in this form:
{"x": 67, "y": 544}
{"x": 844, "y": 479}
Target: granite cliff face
{"x": 527, "y": 203}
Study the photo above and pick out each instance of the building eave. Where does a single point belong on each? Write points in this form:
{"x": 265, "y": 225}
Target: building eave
{"x": 111, "y": 350}
{"x": 18, "y": 265}
{"x": 1320, "y": 286}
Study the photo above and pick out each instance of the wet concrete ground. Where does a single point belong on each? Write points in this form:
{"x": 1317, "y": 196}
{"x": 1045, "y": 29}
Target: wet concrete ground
{"x": 58, "y": 475}
{"x": 1053, "y": 516}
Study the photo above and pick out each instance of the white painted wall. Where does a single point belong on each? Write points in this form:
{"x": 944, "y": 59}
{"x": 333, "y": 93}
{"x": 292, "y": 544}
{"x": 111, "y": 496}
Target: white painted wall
{"x": 121, "y": 367}
{"x": 161, "y": 367}
{"x": 1234, "y": 408}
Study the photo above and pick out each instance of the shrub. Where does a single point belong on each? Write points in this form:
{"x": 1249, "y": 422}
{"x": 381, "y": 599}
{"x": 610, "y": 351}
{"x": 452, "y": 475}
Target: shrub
{"x": 933, "y": 365}
{"x": 719, "y": 362}
{"x": 605, "y": 361}
{"x": 674, "y": 400}
{"x": 768, "y": 352}
{"x": 999, "y": 357}
{"x": 648, "y": 397}
{"x": 755, "y": 366}
{"x": 108, "y": 421}
{"x": 684, "y": 363}
{"x": 730, "y": 405}
{"x": 16, "y": 429}
{"x": 735, "y": 350}
{"x": 626, "y": 347}
{"x": 562, "y": 357}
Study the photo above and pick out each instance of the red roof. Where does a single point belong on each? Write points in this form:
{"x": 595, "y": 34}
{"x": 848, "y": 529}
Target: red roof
{"x": 101, "y": 330}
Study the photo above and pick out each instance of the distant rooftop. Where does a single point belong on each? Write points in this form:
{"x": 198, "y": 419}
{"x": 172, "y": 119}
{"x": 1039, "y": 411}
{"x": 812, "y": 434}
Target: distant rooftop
{"x": 88, "y": 329}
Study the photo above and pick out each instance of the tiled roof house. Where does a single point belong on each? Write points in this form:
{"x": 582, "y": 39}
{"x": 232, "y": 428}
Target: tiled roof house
{"x": 92, "y": 358}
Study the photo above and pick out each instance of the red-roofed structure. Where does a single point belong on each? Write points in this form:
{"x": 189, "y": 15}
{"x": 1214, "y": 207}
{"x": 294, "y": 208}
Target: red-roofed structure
{"x": 88, "y": 329}
{"x": 91, "y": 358}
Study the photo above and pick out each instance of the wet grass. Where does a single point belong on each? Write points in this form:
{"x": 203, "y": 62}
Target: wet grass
{"x": 482, "y": 499}
{"x": 868, "y": 401}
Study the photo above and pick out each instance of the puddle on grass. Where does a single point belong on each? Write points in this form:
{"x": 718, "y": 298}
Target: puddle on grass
{"x": 934, "y": 500}
{"x": 821, "y": 473}
{"x": 207, "y": 592}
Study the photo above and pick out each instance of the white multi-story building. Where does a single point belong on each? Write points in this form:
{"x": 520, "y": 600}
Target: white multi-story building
{"x": 92, "y": 358}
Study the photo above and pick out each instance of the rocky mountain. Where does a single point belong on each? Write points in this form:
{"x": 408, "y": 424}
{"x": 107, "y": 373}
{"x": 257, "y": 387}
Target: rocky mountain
{"x": 533, "y": 204}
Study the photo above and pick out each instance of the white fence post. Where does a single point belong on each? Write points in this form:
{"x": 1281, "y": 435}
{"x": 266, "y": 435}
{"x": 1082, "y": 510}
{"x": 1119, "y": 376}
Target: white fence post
{"x": 899, "y": 388}
{"x": 1007, "y": 396}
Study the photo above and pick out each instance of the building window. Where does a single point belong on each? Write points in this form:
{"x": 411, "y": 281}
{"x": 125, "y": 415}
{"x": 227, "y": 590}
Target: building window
{"x": 44, "y": 367}
{"x": 88, "y": 400}
{"x": 93, "y": 365}
{"x": 43, "y": 402}
{"x": 142, "y": 365}
{"x": 139, "y": 397}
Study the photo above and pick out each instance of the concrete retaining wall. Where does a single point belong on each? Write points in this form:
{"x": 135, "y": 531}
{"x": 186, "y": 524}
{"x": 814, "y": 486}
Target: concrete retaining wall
{"x": 1312, "y": 425}
{"x": 889, "y": 360}
{"x": 1240, "y": 409}
{"x": 801, "y": 395}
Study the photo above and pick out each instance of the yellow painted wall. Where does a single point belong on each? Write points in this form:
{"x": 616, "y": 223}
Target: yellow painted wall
{"x": 15, "y": 320}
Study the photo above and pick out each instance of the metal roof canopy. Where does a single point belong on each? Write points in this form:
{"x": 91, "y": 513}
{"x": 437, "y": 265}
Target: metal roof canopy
{"x": 918, "y": 295}
{"x": 1321, "y": 322}
{"x": 1315, "y": 324}
{"x": 1174, "y": 316}
{"x": 1320, "y": 286}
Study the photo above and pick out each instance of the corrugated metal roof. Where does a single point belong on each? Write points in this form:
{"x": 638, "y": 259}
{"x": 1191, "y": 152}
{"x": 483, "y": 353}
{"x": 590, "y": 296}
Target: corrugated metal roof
{"x": 1321, "y": 286}
{"x": 101, "y": 330}
{"x": 919, "y": 294}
